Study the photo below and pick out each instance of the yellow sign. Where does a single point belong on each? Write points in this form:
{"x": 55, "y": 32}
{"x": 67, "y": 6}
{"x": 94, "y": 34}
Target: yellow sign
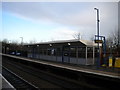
{"x": 117, "y": 62}
{"x": 98, "y": 41}
{"x": 110, "y": 61}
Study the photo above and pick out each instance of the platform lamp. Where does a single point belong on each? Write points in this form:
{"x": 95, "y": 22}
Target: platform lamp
{"x": 98, "y": 61}
{"x": 50, "y": 45}
{"x": 69, "y": 44}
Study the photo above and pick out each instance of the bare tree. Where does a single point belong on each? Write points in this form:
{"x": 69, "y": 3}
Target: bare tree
{"x": 113, "y": 42}
{"x": 114, "y": 38}
{"x": 92, "y": 37}
{"x": 4, "y": 41}
{"x": 77, "y": 36}
{"x": 32, "y": 41}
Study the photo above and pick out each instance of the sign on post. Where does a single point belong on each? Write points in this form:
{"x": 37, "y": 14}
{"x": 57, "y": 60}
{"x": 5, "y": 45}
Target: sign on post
{"x": 98, "y": 41}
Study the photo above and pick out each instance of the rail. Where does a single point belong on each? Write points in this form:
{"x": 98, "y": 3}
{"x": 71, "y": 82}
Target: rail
{"x": 17, "y": 81}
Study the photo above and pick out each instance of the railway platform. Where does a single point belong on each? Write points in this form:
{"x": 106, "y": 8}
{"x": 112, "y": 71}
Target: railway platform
{"x": 101, "y": 71}
{"x": 5, "y": 84}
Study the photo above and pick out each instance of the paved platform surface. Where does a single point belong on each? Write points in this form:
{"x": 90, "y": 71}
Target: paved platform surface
{"x": 104, "y": 71}
{"x": 5, "y": 84}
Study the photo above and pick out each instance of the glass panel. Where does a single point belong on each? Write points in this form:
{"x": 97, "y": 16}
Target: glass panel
{"x": 59, "y": 52}
{"x": 73, "y": 52}
{"x": 90, "y": 52}
{"x": 81, "y": 52}
{"x": 48, "y": 52}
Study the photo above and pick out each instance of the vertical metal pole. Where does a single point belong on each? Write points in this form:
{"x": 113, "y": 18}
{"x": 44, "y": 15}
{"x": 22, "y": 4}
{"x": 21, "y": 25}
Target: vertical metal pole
{"x": 98, "y": 37}
{"x": 118, "y": 38}
{"x": 118, "y": 26}
{"x": 86, "y": 55}
{"x": 98, "y": 61}
{"x": 93, "y": 55}
{"x": 21, "y": 46}
{"x": 77, "y": 54}
{"x": 21, "y": 40}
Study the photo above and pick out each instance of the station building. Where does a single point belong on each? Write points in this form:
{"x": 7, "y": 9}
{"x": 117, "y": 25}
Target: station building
{"x": 66, "y": 51}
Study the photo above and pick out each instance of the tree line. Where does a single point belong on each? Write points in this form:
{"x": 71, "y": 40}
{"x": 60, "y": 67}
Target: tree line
{"x": 112, "y": 44}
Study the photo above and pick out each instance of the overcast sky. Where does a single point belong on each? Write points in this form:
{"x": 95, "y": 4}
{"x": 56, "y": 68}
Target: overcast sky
{"x": 45, "y": 21}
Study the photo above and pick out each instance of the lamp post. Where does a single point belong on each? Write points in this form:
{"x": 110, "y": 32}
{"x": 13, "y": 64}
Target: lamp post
{"x": 21, "y": 40}
{"x": 98, "y": 61}
{"x": 9, "y": 46}
{"x": 21, "y": 45}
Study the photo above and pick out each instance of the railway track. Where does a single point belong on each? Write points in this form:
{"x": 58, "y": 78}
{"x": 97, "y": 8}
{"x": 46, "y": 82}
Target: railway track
{"x": 17, "y": 81}
{"x": 54, "y": 79}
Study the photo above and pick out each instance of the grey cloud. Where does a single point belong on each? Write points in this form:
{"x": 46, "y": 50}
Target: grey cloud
{"x": 71, "y": 14}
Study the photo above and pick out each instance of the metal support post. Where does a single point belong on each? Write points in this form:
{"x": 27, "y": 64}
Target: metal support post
{"x": 98, "y": 61}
